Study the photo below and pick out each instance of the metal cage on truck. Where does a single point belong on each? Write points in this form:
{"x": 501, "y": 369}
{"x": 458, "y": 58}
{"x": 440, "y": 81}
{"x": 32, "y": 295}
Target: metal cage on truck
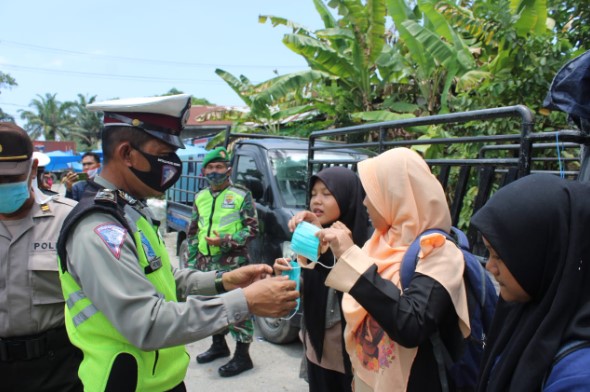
{"x": 495, "y": 160}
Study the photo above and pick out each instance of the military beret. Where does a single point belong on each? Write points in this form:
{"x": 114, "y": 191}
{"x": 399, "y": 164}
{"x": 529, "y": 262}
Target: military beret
{"x": 218, "y": 154}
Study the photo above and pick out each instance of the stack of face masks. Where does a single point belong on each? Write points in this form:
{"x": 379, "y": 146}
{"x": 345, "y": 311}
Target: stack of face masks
{"x": 304, "y": 242}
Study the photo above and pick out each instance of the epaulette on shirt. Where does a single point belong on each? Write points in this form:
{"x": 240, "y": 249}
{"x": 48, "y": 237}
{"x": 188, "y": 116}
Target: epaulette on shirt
{"x": 106, "y": 196}
{"x": 64, "y": 200}
{"x": 57, "y": 199}
{"x": 240, "y": 188}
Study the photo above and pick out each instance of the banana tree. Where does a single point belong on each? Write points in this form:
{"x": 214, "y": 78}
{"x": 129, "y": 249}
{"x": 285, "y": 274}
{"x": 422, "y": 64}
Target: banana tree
{"x": 269, "y": 104}
{"x": 347, "y": 51}
{"x": 438, "y": 53}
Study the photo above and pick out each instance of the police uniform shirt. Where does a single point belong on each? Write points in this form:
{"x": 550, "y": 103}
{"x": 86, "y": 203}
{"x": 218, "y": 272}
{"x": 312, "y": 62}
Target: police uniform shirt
{"x": 31, "y": 300}
{"x": 102, "y": 259}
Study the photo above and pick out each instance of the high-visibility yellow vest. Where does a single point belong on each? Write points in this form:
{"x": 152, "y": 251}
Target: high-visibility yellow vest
{"x": 101, "y": 343}
{"x": 220, "y": 213}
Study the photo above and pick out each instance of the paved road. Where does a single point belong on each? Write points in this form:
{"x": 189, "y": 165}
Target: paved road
{"x": 276, "y": 367}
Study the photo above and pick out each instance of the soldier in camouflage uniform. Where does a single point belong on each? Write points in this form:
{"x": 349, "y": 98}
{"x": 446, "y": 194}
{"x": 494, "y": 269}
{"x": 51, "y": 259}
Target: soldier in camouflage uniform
{"x": 223, "y": 221}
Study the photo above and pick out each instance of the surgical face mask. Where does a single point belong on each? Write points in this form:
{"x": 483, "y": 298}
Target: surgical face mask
{"x": 217, "y": 179}
{"x": 305, "y": 243}
{"x": 165, "y": 171}
{"x": 294, "y": 274}
{"x": 40, "y": 197}
{"x": 13, "y": 195}
{"x": 93, "y": 172}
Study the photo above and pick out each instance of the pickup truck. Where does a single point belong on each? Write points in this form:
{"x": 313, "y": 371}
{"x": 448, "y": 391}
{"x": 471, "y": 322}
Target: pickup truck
{"x": 274, "y": 169}
{"x": 277, "y": 171}
{"x": 470, "y": 168}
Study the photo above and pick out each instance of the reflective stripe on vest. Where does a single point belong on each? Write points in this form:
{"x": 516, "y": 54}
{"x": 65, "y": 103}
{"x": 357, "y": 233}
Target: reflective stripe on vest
{"x": 220, "y": 213}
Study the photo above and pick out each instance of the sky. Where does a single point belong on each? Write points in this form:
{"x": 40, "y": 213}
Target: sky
{"x": 130, "y": 48}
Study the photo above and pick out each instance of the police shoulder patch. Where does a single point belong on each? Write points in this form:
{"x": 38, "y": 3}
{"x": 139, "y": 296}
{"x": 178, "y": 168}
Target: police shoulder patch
{"x": 113, "y": 235}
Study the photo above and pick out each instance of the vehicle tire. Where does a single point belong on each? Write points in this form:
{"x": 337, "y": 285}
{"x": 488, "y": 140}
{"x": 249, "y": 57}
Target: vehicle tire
{"x": 276, "y": 330}
{"x": 183, "y": 254}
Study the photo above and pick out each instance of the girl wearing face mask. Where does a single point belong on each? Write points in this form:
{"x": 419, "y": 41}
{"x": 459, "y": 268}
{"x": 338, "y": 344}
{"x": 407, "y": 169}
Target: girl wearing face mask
{"x": 336, "y": 197}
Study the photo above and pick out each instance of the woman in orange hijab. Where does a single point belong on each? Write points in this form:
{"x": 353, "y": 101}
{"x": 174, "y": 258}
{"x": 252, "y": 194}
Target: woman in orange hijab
{"x": 388, "y": 331}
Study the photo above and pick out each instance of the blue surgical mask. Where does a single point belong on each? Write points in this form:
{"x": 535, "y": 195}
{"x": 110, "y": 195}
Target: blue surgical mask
{"x": 13, "y": 195}
{"x": 294, "y": 274}
{"x": 216, "y": 179}
{"x": 304, "y": 242}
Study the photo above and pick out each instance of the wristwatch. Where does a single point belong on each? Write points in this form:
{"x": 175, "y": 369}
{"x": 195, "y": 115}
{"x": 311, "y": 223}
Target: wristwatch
{"x": 219, "y": 282}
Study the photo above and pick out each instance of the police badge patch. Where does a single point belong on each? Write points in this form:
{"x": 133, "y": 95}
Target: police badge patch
{"x": 113, "y": 236}
{"x": 229, "y": 202}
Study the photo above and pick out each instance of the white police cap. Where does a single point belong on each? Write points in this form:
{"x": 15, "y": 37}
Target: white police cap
{"x": 161, "y": 117}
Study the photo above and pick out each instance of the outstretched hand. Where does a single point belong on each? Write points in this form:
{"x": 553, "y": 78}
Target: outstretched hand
{"x": 281, "y": 264}
{"x": 245, "y": 276}
{"x": 272, "y": 297}
{"x": 301, "y": 216}
{"x": 339, "y": 240}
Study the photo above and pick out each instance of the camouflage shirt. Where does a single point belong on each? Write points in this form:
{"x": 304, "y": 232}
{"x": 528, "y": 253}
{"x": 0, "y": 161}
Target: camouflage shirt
{"x": 233, "y": 246}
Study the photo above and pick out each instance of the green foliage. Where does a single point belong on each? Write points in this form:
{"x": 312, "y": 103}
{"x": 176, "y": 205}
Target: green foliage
{"x": 88, "y": 125}
{"x": 49, "y": 118}
{"x": 6, "y": 81}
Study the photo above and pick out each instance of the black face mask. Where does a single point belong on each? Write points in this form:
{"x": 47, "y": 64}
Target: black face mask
{"x": 165, "y": 171}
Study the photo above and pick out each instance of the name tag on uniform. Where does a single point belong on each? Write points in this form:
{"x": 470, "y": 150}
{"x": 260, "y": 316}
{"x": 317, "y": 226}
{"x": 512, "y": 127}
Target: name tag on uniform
{"x": 44, "y": 245}
{"x": 228, "y": 202}
{"x": 153, "y": 260}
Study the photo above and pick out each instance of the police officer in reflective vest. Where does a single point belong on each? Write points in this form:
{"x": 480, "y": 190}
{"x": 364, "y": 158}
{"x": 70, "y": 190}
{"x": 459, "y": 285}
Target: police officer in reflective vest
{"x": 223, "y": 222}
{"x": 35, "y": 353}
{"x": 118, "y": 281}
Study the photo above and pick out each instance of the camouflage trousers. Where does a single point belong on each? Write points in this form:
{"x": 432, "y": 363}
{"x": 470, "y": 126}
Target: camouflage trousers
{"x": 242, "y": 332}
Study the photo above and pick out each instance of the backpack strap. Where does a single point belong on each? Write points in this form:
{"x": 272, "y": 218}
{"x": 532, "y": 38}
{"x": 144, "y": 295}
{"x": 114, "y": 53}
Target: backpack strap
{"x": 410, "y": 259}
{"x": 106, "y": 201}
{"x": 563, "y": 352}
{"x": 443, "y": 360}
{"x": 459, "y": 238}
{"x": 407, "y": 269}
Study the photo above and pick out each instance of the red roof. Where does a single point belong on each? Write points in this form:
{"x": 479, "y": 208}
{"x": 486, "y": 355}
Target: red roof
{"x": 197, "y": 112}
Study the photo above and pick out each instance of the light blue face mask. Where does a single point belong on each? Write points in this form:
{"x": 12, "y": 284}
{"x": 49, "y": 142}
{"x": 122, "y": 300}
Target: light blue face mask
{"x": 13, "y": 195}
{"x": 294, "y": 274}
{"x": 304, "y": 242}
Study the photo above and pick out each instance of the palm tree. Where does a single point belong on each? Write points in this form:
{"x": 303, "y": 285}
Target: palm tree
{"x": 88, "y": 125}
{"x": 50, "y": 119}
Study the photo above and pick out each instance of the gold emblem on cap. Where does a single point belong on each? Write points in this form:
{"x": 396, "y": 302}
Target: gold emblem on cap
{"x": 1, "y": 148}
{"x": 135, "y": 122}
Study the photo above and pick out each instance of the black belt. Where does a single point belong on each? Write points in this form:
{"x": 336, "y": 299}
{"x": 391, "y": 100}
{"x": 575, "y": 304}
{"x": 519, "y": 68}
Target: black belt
{"x": 23, "y": 348}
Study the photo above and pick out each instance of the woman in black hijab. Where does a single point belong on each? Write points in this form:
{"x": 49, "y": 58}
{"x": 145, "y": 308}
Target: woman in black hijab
{"x": 328, "y": 366}
{"x": 536, "y": 229}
